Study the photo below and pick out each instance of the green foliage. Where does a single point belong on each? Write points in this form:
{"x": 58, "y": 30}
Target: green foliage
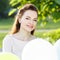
{"x": 52, "y": 36}
{"x": 48, "y": 9}
{"x": 57, "y": 1}
{"x": 11, "y": 12}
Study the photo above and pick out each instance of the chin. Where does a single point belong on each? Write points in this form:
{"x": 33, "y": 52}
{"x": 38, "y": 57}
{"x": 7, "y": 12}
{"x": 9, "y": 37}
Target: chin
{"x": 29, "y": 30}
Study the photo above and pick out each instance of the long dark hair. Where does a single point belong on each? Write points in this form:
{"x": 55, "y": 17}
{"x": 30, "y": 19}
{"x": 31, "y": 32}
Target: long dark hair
{"x": 16, "y": 25}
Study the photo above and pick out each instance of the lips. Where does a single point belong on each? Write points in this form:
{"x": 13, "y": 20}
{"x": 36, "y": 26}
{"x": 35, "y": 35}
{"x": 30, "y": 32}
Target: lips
{"x": 30, "y": 26}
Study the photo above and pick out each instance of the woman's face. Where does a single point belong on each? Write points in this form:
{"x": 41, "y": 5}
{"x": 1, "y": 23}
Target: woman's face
{"x": 29, "y": 20}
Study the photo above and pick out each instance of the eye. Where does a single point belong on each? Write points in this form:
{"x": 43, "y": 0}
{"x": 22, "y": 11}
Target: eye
{"x": 27, "y": 18}
{"x": 35, "y": 20}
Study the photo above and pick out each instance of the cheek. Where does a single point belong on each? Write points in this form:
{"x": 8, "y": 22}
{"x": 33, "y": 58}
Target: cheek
{"x": 23, "y": 23}
{"x": 35, "y": 24}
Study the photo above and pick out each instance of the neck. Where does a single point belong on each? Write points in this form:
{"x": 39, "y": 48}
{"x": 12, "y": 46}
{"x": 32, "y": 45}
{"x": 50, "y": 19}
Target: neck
{"x": 23, "y": 35}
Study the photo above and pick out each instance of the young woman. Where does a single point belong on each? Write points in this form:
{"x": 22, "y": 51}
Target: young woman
{"x": 22, "y": 30}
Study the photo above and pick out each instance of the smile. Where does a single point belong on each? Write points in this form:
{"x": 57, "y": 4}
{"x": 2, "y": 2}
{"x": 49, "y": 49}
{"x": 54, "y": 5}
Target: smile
{"x": 30, "y": 26}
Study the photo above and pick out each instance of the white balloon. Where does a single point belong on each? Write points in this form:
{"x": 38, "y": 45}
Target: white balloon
{"x": 57, "y": 47}
{"x": 39, "y": 49}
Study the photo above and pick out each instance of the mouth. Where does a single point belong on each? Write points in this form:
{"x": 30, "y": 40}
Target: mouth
{"x": 30, "y": 26}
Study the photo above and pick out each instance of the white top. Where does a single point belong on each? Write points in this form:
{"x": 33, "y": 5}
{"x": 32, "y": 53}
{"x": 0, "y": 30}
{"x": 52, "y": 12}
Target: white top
{"x": 11, "y": 44}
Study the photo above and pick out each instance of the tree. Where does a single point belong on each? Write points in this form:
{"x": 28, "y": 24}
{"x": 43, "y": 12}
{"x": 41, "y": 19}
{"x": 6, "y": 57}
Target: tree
{"x": 4, "y": 6}
{"x": 48, "y": 9}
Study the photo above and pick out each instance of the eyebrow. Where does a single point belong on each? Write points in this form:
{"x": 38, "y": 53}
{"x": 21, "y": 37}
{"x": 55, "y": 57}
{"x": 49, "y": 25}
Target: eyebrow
{"x": 30, "y": 17}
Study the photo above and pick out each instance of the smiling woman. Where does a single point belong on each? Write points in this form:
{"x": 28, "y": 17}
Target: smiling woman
{"x": 22, "y": 30}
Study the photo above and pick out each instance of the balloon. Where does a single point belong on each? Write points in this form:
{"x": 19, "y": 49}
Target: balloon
{"x": 39, "y": 49}
{"x": 57, "y": 47}
{"x": 8, "y": 56}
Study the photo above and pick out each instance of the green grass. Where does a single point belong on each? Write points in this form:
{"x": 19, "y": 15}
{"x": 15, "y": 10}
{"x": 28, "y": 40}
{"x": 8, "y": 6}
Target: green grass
{"x": 39, "y": 34}
{"x": 49, "y": 25}
{"x": 2, "y": 35}
{"x": 6, "y": 24}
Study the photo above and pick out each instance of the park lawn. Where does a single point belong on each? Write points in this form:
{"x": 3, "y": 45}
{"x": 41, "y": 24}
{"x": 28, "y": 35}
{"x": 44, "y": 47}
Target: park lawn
{"x": 2, "y": 35}
{"x": 49, "y": 25}
{"x": 6, "y": 24}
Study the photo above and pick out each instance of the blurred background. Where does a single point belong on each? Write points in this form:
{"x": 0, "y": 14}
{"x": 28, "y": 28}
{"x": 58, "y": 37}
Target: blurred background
{"x": 48, "y": 26}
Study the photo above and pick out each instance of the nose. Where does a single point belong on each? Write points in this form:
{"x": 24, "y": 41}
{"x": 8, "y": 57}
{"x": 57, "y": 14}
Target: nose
{"x": 31, "y": 22}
